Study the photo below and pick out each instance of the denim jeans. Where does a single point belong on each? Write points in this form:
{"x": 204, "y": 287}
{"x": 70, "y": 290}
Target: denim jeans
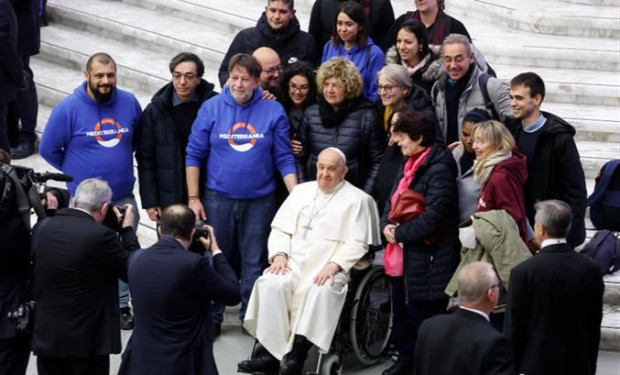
{"x": 242, "y": 227}
{"x": 123, "y": 287}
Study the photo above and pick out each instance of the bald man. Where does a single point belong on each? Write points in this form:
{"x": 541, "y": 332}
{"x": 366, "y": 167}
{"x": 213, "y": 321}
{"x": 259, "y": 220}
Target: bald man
{"x": 271, "y": 68}
{"x": 322, "y": 229}
{"x": 464, "y": 342}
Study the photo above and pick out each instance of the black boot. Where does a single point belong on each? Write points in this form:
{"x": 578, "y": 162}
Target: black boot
{"x": 263, "y": 362}
{"x": 403, "y": 366}
{"x": 293, "y": 362}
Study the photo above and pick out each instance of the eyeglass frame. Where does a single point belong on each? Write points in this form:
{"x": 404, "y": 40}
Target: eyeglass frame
{"x": 272, "y": 71}
{"x": 388, "y": 88}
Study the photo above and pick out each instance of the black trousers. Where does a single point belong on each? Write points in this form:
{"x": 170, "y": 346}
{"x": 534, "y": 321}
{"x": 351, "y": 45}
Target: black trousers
{"x": 95, "y": 365}
{"x": 24, "y": 110}
{"x": 4, "y": 136}
{"x": 14, "y": 354}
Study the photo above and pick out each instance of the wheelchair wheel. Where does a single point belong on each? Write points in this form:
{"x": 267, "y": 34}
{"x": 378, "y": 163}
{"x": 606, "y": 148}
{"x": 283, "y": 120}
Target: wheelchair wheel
{"x": 332, "y": 365}
{"x": 371, "y": 317}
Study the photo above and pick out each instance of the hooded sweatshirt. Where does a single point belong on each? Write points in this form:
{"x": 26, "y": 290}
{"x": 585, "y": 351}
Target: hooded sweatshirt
{"x": 242, "y": 145}
{"x": 368, "y": 60}
{"x": 504, "y": 190}
{"x": 85, "y": 139}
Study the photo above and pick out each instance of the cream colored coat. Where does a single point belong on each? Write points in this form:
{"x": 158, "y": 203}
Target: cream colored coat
{"x": 344, "y": 224}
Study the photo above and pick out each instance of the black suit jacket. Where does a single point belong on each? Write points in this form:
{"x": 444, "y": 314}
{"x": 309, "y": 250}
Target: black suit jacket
{"x": 461, "y": 343}
{"x": 554, "y": 313}
{"x": 172, "y": 290}
{"x": 77, "y": 266}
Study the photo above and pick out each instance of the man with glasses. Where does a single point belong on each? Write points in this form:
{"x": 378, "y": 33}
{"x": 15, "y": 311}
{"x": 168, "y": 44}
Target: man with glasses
{"x": 277, "y": 28}
{"x": 164, "y": 131}
{"x": 271, "y": 69}
{"x": 465, "y": 87}
{"x": 464, "y": 342}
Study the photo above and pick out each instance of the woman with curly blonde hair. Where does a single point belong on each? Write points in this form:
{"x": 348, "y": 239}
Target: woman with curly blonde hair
{"x": 342, "y": 118}
{"x": 500, "y": 170}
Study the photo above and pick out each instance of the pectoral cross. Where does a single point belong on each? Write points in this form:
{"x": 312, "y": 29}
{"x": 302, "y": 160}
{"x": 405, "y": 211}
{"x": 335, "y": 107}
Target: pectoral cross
{"x": 306, "y": 228}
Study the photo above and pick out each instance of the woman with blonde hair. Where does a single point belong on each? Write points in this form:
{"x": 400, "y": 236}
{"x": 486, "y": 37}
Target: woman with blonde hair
{"x": 343, "y": 119}
{"x": 501, "y": 171}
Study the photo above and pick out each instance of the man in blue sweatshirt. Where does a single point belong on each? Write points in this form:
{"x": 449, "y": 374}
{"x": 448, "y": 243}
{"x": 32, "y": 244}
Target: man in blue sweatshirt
{"x": 90, "y": 134}
{"x": 244, "y": 140}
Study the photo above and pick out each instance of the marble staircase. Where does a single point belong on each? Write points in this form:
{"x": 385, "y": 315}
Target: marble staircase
{"x": 573, "y": 44}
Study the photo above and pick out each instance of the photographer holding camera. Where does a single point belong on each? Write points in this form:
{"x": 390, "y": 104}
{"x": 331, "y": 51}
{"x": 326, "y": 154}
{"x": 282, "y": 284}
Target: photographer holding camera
{"x": 77, "y": 262}
{"x": 172, "y": 290}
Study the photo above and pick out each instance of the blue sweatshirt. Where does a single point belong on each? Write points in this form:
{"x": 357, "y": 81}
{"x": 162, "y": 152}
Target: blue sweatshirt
{"x": 243, "y": 144}
{"x": 86, "y": 139}
{"x": 368, "y": 60}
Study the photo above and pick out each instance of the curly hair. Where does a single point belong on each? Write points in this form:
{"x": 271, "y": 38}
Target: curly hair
{"x": 345, "y": 72}
{"x": 298, "y": 68}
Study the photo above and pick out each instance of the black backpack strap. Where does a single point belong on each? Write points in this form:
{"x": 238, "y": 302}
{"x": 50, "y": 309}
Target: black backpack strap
{"x": 483, "y": 82}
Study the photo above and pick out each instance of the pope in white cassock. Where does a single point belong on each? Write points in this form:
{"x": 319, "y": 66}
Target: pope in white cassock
{"x": 319, "y": 233}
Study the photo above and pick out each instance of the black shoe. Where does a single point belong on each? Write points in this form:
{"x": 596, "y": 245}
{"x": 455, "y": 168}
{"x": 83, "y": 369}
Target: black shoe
{"x": 126, "y": 319}
{"x": 264, "y": 363}
{"x": 216, "y": 330}
{"x": 22, "y": 151}
{"x": 403, "y": 366}
{"x": 293, "y": 362}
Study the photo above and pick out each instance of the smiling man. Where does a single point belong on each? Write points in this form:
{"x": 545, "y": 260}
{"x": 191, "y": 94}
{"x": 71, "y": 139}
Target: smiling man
{"x": 164, "y": 132}
{"x": 322, "y": 229}
{"x": 90, "y": 134}
{"x": 460, "y": 89}
{"x": 553, "y": 166}
{"x": 277, "y": 28}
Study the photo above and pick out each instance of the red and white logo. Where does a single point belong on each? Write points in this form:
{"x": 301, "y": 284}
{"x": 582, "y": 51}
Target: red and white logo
{"x": 108, "y": 132}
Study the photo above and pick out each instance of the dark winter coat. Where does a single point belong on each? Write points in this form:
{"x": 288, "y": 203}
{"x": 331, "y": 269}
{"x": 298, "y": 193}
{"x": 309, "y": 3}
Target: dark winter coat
{"x": 11, "y": 66}
{"x": 158, "y": 152}
{"x": 29, "y": 35}
{"x": 359, "y": 135}
{"x": 428, "y": 268}
{"x": 323, "y": 16}
{"x": 557, "y": 173}
{"x": 291, "y": 44}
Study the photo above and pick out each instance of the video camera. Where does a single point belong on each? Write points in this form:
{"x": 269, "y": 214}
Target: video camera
{"x": 22, "y": 189}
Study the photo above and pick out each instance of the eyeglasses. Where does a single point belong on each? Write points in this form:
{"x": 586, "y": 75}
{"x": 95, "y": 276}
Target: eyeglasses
{"x": 293, "y": 87}
{"x": 187, "y": 76}
{"x": 272, "y": 71}
{"x": 387, "y": 88}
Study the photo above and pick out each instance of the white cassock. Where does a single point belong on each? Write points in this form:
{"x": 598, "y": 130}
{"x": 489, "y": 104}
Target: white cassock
{"x": 313, "y": 228}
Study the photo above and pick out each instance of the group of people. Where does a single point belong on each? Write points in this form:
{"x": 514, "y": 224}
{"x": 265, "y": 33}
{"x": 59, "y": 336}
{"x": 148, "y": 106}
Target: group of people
{"x": 301, "y": 167}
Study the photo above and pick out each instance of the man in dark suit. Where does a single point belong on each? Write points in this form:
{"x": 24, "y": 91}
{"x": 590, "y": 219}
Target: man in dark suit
{"x": 11, "y": 67}
{"x": 555, "y": 302}
{"x": 77, "y": 263}
{"x": 172, "y": 291}
{"x": 464, "y": 342}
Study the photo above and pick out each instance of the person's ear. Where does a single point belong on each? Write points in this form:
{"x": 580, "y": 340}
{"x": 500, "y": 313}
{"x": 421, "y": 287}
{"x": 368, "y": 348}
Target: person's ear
{"x": 104, "y": 208}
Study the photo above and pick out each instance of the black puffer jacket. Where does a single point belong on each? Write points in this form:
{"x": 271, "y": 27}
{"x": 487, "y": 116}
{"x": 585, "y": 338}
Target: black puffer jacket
{"x": 359, "y": 135}
{"x": 291, "y": 44}
{"x": 428, "y": 268}
{"x": 158, "y": 152}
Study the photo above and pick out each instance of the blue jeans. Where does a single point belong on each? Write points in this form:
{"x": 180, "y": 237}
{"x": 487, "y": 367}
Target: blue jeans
{"x": 242, "y": 227}
{"x": 123, "y": 287}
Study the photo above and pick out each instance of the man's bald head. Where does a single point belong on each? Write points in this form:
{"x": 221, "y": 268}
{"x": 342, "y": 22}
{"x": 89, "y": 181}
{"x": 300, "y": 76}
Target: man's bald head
{"x": 271, "y": 67}
{"x": 478, "y": 286}
{"x": 331, "y": 168}
{"x": 177, "y": 220}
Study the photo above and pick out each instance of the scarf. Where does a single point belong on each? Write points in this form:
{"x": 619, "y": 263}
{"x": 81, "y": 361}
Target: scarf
{"x": 411, "y": 166}
{"x": 420, "y": 65}
{"x": 331, "y": 118}
{"x": 483, "y": 168}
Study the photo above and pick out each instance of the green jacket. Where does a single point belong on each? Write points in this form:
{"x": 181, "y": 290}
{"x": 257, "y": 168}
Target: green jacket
{"x": 497, "y": 242}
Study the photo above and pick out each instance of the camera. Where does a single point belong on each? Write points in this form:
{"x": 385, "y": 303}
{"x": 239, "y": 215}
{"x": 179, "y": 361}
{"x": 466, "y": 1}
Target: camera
{"x": 111, "y": 221}
{"x": 201, "y": 232}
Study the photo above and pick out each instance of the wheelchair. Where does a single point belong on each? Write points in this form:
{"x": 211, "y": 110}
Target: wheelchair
{"x": 364, "y": 326}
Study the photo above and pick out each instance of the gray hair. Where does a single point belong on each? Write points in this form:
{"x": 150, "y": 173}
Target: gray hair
{"x": 91, "y": 194}
{"x": 555, "y": 215}
{"x": 397, "y": 74}
{"x": 456, "y": 39}
{"x": 474, "y": 280}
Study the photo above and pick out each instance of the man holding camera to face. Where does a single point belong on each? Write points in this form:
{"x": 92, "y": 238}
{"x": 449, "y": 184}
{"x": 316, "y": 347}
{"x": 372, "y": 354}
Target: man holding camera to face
{"x": 77, "y": 262}
{"x": 172, "y": 290}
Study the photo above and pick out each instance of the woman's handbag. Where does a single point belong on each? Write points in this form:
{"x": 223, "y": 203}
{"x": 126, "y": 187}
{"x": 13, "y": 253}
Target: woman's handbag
{"x": 410, "y": 204}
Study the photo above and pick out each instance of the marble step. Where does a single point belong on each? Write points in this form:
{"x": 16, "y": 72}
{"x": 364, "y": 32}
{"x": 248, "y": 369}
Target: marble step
{"x": 591, "y": 87}
{"x": 592, "y": 122}
{"x": 615, "y": 3}
{"x": 612, "y": 289}
{"x": 610, "y": 328}
{"x": 551, "y": 17}
{"x": 141, "y": 28}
